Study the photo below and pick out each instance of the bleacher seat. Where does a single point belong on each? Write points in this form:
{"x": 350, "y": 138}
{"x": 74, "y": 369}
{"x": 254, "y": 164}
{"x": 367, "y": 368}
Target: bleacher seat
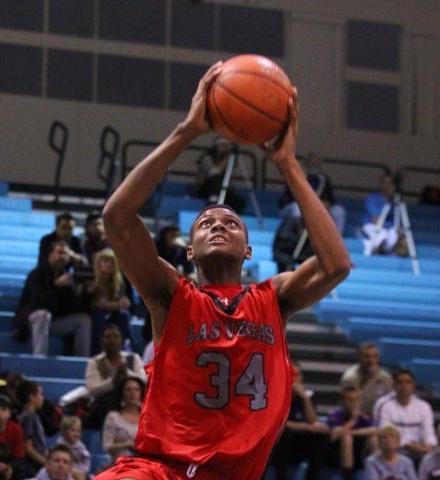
{"x": 4, "y": 189}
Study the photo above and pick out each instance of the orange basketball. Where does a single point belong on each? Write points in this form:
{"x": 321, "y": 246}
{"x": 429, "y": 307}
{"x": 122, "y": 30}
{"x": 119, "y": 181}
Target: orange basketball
{"x": 248, "y": 102}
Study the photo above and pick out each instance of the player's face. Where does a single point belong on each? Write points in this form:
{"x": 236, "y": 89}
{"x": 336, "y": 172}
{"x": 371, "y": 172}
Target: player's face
{"x": 219, "y": 231}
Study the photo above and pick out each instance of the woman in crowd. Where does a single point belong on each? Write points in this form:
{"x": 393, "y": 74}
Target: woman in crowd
{"x": 108, "y": 302}
{"x": 120, "y": 425}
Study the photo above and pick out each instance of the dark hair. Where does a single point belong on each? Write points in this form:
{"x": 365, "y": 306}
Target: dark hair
{"x": 161, "y": 239}
{"x": 5, "y": 402}
{"x": 25, "y": 390}
{"x": 91, "y": 217}
{"x": 60, "y": 448}
{"x": 63, "y": 216}
{"x": 119, "y": 391}
{"x": 53, "y": 245}
{"x": 403, "y": 371}
{"x": 214, "y": 206}
{"x": 111, "y": 326}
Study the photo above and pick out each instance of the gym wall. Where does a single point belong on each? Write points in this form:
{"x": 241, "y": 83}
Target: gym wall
{"x": 367, "y": 74}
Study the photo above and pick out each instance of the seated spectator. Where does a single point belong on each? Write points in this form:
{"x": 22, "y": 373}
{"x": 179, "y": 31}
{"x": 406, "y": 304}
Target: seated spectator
{"x": 65, "y": 223}
{"x": 121, "y": 423}
{"x": 304, "y": 438}
{"x": 367, "y": 375}
{"x": 172, "y": 248}
{"x": 30, "y": 396}
{"x": 108, "y": 302}
{"x": 11, "y": 441}
{"x": 59, "y": 464}
{"x": 95, "y": 238}
{"x": 106, "y": 369}
{"x": 430, "y": 465}
{"x": 49, "y": 413}
{"x": 70, "y": 435}
{"x": 388, "y": 463}
{"x": 380, "y": 239}
{"x": 51, "y": 304}
{"x": 211, "y": 171}
{"x": 352, "y": 434}
{"x": 321, "y": 183}
{"x": 411, "y": 415}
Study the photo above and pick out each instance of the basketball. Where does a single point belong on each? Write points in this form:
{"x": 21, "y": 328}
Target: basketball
{"x": 248, "y": 102}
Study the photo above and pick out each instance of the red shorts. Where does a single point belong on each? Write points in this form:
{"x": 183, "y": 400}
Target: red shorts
{"x": 142, "y": 468}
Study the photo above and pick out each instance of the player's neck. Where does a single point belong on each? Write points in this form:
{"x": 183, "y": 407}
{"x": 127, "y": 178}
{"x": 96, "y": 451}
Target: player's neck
{"x": 218, "y": 277}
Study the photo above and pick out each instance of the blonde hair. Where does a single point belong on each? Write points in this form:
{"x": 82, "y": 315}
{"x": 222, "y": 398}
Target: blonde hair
{"x": 69, "y": 421}
{"x": 389, "y": 429}
{"x": 108, "y": 287}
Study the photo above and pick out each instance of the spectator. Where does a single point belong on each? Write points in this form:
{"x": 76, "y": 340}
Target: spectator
{"x": 108, "y": 301}
{"x": 211, "y": 171}
{"x": 30, "y": 396}
{"x": 411, "y": 415}
{"x": 322, "y": 185}
{"x": 380, "y": 239}
{"x": 49, "y": 413}
{"x": 172, "y": 248}
{"x": 304, "y": 438}
{"x": 11, "y": 441}
{"x": 430, "y": 465}
{"x": 367, "y": 375}
{"x": 352, "y": 434}
{"x": 51, "y": 303}
{"x": 106, "y": 369}
{"x": 70, "y": 435}
{"x": 121, "y": 423}
{"x": 95, "y": 238}
{"x": 59, "y": 464}
{"x": 388, "y": 463}
{"x": 65, "y": 223}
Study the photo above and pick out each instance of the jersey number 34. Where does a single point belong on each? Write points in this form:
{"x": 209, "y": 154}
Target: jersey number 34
{"x": 251, "y": 381}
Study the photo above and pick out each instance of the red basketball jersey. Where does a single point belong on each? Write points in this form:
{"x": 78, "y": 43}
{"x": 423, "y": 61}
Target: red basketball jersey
{"x": 220, "y": 385}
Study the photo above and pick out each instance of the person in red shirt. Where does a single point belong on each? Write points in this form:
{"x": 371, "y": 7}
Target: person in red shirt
{"x": 11, "y": 440}
{"x": 219, "y": 387}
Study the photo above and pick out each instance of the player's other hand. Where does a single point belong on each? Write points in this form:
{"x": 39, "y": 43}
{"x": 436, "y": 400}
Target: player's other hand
{"x": 196, "y": 120}
{"x": 284, "y": 147}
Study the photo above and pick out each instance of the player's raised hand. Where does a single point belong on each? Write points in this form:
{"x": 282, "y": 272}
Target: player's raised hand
{"x": 196, "y": 118}
{"x": 285, "y": 146}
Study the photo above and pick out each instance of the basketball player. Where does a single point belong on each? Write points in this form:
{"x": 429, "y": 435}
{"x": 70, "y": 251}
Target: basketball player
{"x": 219, "y": 386}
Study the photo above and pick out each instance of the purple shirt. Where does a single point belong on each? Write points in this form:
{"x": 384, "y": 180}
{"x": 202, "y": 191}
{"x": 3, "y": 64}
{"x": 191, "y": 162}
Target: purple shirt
{"x": 340, "y": 416}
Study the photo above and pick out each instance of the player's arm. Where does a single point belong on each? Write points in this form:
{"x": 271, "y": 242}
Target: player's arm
{"x": 153, "y": 278}
{"x": 318, "y": 275}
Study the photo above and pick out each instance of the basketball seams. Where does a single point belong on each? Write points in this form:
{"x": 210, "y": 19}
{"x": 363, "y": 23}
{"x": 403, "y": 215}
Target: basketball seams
{"x": 220, "y": 114}
{"x": 250, "y": 105}
{"x": 257, "y": 74}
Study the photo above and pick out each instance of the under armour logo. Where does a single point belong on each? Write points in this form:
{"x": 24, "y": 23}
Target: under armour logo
{"x": 225, "y": 302}
{"x": 192, "y": 470}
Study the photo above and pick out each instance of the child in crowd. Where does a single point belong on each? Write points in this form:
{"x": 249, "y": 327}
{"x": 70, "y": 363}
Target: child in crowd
{"x": 30, "y": 395}
{"x": 70, "y": 435}
{"x": 388, "y": 463}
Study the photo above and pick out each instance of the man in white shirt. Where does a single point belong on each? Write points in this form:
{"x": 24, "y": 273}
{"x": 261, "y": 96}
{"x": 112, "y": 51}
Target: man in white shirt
{"x": 411, "y": 415}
